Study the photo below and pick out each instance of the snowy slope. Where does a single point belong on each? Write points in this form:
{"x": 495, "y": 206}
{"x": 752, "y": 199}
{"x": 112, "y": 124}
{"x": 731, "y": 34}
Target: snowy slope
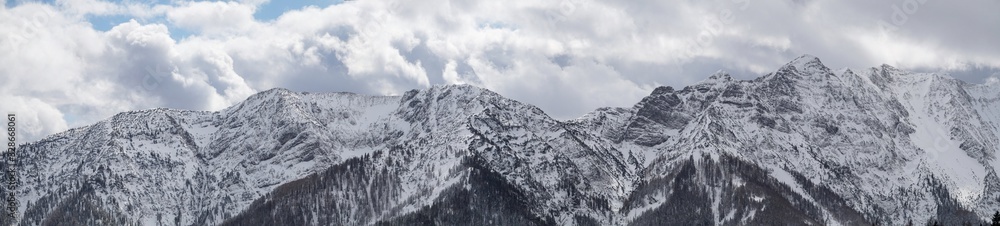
{"x": 164, "y": 165}
{"x": 802, "y": 145}
{"x": 896, "y": 146}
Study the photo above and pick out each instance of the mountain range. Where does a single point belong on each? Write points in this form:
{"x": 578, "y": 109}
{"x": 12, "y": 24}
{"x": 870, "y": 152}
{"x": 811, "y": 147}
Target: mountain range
{"x": 803, "y": 145}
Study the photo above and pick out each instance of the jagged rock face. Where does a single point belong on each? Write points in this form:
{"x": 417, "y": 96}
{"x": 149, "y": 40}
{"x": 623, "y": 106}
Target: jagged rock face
{"x": 805, "y": 145}
{"x": 894, "y": 146}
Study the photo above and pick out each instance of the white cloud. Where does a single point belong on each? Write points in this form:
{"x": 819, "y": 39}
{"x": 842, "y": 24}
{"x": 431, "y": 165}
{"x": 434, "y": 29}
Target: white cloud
{"x": 57, "y": 80}
{"x": 566, "y": 56}
{"x": 33, "y": 117}
{"x": 212, "y": 17}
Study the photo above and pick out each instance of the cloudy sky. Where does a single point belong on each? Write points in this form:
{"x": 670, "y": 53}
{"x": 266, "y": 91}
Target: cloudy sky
{"x": 69, "y": 63}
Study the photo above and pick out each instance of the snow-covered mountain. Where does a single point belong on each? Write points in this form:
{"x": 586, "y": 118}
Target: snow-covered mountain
{"x": 802, "y": 145}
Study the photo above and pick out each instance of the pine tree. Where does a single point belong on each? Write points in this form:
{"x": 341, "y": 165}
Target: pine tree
{"x": 996, "y": 219}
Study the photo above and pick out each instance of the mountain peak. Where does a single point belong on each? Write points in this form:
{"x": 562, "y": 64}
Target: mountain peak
{"x": 458, "y": 87}
{"x": 807, "y": 63}
{"x": 889, "y": 69}
{"x": 277, "y": 90}
{"x": 273, "y": 93}
{"x": 454, "y": 90}
{"x": 662, "y": 90}
{"x": 803, "y": 66}
{"x": 721, "y": 75}
{"x": 806, "y": 58}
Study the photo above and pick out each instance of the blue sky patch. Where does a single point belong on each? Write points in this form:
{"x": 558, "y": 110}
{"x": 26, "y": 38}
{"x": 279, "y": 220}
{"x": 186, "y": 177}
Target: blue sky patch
{"x": 273, "y": 9}
{"x": 267, "y": 12}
